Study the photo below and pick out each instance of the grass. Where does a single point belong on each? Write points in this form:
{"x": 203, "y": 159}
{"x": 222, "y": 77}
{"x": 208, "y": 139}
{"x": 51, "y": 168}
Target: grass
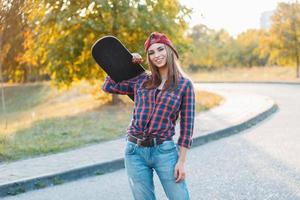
{"x": 268, "y": 74}
{"x": 21, "y": 99}
{"x": 43, "y": 120}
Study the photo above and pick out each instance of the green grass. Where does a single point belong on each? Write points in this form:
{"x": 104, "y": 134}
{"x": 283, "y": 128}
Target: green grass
{"x": 57, "y": 134}
{"x": 23, "y": 98}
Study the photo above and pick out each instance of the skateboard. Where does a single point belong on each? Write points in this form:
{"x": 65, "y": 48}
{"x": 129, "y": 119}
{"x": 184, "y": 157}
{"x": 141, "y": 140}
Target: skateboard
{"x": 115, "y": 59}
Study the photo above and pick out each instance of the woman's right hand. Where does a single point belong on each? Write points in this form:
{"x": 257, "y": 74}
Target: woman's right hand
{"x": 136, "y": 58}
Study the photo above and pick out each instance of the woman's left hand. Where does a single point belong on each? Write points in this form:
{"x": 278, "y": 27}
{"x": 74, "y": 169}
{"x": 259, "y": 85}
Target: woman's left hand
{"x": 136, "y": 58}
{"x": 179, "y": 172}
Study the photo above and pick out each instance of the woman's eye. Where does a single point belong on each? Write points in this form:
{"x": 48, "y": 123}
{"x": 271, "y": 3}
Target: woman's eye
{"x": 160, "y": 49}
{"x": 150, "y": 53}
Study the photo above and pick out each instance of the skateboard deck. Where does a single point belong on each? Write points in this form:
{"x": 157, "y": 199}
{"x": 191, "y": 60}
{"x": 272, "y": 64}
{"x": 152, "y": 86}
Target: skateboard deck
{"x": 115, "y": 59}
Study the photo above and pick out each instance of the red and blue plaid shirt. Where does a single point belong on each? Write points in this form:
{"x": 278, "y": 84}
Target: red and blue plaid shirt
{"x": 155, "y": 116}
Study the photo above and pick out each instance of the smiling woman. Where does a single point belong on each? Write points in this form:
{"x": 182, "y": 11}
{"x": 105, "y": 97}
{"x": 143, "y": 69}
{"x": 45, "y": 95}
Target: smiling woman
{"x": 160, "y": 96}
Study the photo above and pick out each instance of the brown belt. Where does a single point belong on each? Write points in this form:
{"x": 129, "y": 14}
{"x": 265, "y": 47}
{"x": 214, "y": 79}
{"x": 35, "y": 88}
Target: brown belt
{"x": 151, "y": 142}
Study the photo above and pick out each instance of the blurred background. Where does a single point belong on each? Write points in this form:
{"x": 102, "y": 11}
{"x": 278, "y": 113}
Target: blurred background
{"x": 51, "y": 98}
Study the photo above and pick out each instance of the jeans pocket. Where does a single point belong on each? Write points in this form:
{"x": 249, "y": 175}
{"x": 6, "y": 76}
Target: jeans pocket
{"x": 167, "y": 147}
{"x": 130, "y": 148}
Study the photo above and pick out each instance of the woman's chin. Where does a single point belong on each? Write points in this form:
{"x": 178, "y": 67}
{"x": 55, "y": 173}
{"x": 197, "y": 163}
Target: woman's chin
{"x": 161, "y": 65}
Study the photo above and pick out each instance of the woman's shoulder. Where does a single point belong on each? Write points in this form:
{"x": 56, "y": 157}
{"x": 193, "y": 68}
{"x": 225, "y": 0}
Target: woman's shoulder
{"x": 145, "y": 75}
{"x": 186, "y": 80}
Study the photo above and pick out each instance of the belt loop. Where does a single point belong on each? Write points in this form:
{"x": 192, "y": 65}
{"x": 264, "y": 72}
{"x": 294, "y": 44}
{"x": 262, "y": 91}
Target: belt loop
{"x": 154, "y": 139}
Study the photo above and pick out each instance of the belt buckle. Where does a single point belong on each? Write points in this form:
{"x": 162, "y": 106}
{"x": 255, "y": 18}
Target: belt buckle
{"x": 139, "y": 142}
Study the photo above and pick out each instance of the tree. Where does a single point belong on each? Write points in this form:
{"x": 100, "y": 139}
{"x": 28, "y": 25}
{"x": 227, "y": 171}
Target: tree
{"x": 13, "y": 24}
{"x": 286, "y": 34}
{"x": 64, "y": 31}
{"x": 210, "y": 48}
{"x": 248, "y": 43}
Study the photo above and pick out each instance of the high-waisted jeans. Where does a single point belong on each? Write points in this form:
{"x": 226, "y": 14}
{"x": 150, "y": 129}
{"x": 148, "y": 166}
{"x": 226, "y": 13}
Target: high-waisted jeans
{"x": 140, "y": 163}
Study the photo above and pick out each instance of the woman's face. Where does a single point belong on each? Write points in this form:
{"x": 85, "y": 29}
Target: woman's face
{"x": 158, "y": 54}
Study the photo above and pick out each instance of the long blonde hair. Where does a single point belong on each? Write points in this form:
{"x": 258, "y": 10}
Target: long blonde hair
{"x": 174, "y": 72}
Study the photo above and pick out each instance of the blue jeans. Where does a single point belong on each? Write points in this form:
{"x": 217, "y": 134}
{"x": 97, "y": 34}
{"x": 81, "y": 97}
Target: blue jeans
{"x": 139, "y": 165}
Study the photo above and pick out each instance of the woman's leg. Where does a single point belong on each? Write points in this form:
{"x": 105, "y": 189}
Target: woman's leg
{"x": 140, "y": 175}
{"x": 166, "y": 156}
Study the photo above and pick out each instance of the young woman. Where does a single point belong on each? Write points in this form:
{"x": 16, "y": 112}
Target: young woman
{"x": 160, "y": 96}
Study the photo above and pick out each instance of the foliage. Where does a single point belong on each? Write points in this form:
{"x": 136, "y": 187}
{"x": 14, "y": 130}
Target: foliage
{"x": 52, "y": 39}
{"x": 62, "y": 33}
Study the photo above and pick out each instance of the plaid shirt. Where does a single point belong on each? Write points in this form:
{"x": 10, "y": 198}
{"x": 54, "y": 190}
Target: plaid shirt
{"x": 155, "y": 116}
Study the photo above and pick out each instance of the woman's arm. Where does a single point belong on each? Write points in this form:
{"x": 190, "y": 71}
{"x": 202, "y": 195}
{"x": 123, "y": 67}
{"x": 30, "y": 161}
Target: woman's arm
{"x": 182, "y": 154}
{"x": 187, "y": 116}
{"x": 179, "y": 167}
{"x": 123, "y": 87}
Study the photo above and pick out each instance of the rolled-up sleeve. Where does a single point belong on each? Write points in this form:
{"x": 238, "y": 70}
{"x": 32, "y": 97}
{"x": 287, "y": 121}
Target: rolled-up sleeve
{"x": 187, "y": 116}
{"x": 123, "y": 87}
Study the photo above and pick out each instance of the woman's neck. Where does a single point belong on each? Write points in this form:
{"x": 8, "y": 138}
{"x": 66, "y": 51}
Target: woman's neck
{"x": 163, "y": 73}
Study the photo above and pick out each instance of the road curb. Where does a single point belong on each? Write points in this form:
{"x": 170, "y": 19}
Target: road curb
{"x": 25, "y": 185}
{"x": 234, "y": 129}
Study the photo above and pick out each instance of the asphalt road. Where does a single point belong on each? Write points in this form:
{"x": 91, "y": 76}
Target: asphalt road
{"x": 260, "y": 163}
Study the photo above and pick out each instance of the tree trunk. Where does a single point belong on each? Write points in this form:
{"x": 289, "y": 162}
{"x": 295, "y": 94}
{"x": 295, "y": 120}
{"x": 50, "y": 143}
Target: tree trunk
{"x": 295, "y": 30}
{"x": 115, "y": 99}
{"x": 297, "y": 63}
{"x": 2, "y": 85}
